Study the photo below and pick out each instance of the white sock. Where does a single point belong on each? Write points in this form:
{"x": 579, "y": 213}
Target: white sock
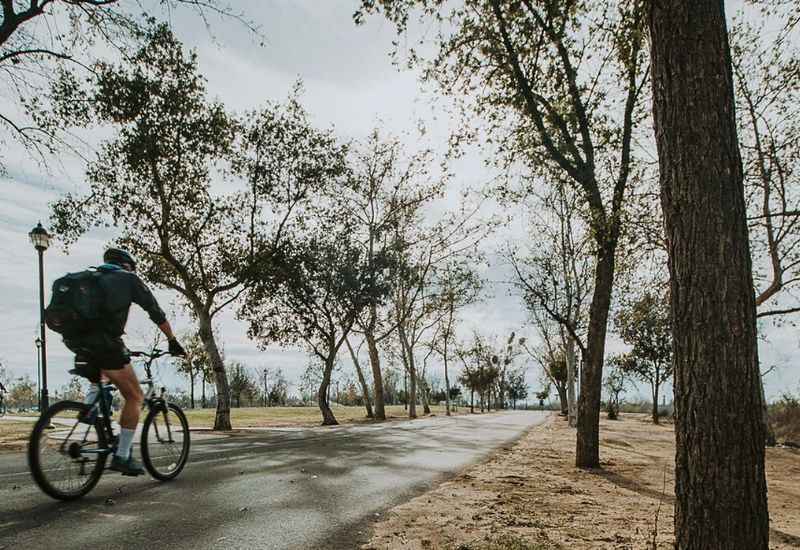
{"x": 125, "y": 443}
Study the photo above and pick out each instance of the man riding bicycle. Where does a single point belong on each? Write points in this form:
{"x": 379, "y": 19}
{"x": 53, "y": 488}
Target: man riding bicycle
{"x": 104, "y": 351}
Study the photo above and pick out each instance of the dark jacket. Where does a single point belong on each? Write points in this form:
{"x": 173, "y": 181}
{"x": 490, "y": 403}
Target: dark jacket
{"x": 123, "y": 288}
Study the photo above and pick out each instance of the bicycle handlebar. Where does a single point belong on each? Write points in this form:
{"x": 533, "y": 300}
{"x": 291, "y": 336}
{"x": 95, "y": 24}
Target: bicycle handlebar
{"x": 155, "y": 354}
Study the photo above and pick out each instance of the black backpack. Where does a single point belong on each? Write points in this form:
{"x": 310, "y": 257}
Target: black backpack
{"x": 76, "y": 305}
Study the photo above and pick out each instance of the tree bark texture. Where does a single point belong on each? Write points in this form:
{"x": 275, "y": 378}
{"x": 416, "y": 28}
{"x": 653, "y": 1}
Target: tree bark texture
{"x": 377, "y": 376}
{"x": 222, "y": 419}
{"x": 361, "y": 380}
{"x": 655, "y": 402}
{"x": 587, "y": 448}
{"x": 562, "y": 399}
{"x": 720, "y": 486}
{"x": 446, "y": 383}
{"x": 328, "y": 419}
{"x": 572, "y": 361}
{"x": 408, "y": 360}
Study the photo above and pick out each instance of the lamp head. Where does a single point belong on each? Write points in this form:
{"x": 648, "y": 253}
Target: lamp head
{"x": 40, "y": 237}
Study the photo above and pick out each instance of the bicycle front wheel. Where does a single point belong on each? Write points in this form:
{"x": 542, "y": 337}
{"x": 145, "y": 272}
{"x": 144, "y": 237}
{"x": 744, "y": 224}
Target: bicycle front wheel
{"x": 66, "y": 456}
{"x": 165, "y": 441}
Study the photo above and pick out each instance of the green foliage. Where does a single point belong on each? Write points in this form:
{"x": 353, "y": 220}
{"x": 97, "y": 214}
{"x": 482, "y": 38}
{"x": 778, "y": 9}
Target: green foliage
{"x": 47, "y": 47}
{"x": 555, "y": 85}
{"x": 481, "y": 370}
{"x": 242, "y": 383}
{"x": 278, "y": 389}
{"x": 153, "y": 181}
{"x": 196, "y": 363}
{"x": 22, "y": 393}
{"x": 615, "y": 383}
{"x": 312, "y": 292}
{"x": 645, "y": 325}
{"x": 543, "y": 394}
{"x": 766, "y": 68}
{"x": 517, "y": 387}
{"x": 784, "y": 416}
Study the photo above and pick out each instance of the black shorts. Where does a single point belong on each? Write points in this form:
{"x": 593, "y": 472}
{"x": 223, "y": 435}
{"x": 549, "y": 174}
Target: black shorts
{"x": 100, "y": 351}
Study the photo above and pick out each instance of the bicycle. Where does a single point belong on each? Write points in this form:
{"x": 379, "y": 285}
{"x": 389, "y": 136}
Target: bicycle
{"x": 71, "y": 441}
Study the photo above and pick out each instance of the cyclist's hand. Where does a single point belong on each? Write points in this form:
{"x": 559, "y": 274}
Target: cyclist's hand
{"x": 175, "y": 349}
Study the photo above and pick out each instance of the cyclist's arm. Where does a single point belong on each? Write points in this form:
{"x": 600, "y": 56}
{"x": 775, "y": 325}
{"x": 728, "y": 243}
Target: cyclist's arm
{"x": 142, "y": 296}
{"x": 166, "y": 328}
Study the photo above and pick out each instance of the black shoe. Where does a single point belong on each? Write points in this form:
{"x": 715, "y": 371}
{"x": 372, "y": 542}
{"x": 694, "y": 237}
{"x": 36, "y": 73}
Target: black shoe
{"x": 128, "y": 467}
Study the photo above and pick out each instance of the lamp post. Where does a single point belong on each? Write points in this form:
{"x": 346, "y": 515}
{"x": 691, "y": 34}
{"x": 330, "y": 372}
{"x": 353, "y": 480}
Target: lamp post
{"x": 40, "y": 239}
{"x": 266, "y": 397}
{"x": 38, "y": 343}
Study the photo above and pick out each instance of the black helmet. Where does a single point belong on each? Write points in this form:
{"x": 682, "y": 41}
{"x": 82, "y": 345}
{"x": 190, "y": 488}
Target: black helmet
{"x": 119, "y": 257}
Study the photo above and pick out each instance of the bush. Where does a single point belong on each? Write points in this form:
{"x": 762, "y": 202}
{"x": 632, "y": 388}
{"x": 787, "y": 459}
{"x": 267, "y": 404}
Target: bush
{"x": 784, "y": 415}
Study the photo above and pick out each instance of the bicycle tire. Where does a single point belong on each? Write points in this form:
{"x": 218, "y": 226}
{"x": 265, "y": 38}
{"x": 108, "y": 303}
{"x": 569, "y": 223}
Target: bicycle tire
{"x": 151, "y": 424}
{"x": 43, "y": 433}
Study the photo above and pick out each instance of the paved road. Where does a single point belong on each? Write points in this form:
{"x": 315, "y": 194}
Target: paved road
{"x": 310, "y": 488}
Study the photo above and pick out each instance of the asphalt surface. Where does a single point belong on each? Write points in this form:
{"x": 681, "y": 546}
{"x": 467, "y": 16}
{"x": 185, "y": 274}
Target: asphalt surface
{"x": 303, "y": 489}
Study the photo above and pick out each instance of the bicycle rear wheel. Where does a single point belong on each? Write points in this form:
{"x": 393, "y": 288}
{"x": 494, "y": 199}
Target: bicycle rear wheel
{"x": 165, "y": 441}
{"x": 66, "y": 456}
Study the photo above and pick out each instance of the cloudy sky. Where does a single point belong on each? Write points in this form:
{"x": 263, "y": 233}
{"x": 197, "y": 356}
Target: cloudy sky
{"x": 351, "y": 84}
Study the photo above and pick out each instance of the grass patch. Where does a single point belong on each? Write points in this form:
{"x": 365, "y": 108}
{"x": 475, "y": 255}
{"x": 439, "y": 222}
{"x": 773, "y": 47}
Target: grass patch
{"x": 262, "y": 417}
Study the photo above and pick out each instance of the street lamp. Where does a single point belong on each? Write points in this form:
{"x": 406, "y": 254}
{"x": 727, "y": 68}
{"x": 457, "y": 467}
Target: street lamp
{"x": 41, "y": 240}
{"x": 266, "y": 397}
{"x": 38, "y": 343}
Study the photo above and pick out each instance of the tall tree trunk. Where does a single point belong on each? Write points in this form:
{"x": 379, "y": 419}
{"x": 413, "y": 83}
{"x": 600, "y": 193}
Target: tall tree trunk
{"x": 222, "y": 419}
{"x": 361, "y": 379}
{"x": 328, "y": 419}
{"x": 408, "y": 360}
{"x": 720, "y": 481}
{"x": 655, "y": 403}
{"x": 377, "y": 376}
{"x": 587, "y": 450}
{"x": 572, "y": 362}
{"x": 562, "y": 398}
{"x": 203, "y": 390}
{"x": 426, "y": 399}
{"x": 471, "y": 401}
{"x": 446, "y": 382}
{"x": 191, "y": 391}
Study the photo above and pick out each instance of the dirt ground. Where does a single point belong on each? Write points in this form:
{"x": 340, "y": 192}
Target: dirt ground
{"x": 529, "y": 496}
{"x": 14, "y": 435}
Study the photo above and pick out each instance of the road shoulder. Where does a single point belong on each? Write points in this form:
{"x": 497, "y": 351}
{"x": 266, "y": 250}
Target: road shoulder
{"x": 529, "y": 496}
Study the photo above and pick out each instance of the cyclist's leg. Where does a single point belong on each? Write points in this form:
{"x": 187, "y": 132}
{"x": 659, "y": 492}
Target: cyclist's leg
{"x": 125, "y": 380}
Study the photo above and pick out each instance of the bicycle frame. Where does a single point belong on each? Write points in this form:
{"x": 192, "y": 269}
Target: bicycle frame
{"x": 103, "y": 404}
{"x": 152, "y": 400}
